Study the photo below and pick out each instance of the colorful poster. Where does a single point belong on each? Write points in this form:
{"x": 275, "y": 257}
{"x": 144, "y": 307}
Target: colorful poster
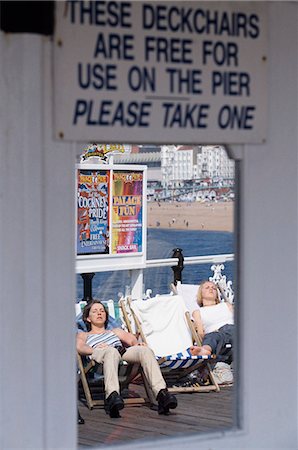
{"x": 127, "y": 212}
{"x": 93, "y": 212}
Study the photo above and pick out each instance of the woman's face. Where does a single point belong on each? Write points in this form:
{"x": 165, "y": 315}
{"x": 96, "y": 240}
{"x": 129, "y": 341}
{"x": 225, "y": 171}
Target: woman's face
{"x": 209, "y": 291}
{"x": 97, "y": 314}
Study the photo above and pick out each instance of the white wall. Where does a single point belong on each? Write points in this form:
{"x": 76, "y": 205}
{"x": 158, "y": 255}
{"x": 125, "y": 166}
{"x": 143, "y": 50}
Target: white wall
{"x": 37, "y": 364}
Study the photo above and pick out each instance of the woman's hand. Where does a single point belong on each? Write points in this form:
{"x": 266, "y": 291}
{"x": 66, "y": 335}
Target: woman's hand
{"x": 101, "y": 345}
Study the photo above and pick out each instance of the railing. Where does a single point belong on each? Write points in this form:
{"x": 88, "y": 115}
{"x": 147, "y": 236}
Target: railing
{"x": 136, "y": 287}
{"x": 177, "y": 263}
{"x": 212, "y": 259}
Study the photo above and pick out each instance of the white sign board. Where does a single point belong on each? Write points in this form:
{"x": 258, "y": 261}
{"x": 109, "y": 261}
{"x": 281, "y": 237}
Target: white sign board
{"x": 161, "y": 72}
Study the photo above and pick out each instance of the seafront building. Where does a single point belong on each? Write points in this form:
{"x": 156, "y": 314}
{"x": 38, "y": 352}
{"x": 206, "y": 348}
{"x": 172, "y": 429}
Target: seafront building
{"x": 213, "y": 162}
{"x": 186, "y": 162}
{"x": 178, "y": 163}
{"x": 184, "y": 172}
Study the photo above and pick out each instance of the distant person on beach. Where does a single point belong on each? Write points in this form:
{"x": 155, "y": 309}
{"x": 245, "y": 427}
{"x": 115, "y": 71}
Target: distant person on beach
{"x": 110, "y": 347}
{"x": 214, "y": 320}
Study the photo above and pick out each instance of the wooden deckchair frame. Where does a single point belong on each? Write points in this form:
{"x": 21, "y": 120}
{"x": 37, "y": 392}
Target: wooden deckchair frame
{"x": 132, "y": 371}
{"x": 183, "y": 371}
{"x": 225, "y": 354}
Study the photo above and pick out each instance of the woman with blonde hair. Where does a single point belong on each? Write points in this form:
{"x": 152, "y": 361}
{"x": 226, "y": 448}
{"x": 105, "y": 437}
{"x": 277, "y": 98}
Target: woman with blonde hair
{"x": 214, "y": 320}
{"x": 202, "y": 287}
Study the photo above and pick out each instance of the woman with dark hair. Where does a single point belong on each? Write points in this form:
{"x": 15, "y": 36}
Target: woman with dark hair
{"x": 109, "y": 347}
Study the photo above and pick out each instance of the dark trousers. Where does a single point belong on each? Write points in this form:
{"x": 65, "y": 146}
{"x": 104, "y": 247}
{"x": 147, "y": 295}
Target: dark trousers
{"x": 219, "y": 339}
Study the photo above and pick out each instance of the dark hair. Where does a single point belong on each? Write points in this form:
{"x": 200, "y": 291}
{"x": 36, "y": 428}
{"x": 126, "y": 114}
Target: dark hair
{"x": 87, "y": 311}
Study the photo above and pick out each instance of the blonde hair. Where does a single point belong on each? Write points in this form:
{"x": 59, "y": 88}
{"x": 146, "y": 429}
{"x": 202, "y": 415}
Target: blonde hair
{"x": 199, "y": 294}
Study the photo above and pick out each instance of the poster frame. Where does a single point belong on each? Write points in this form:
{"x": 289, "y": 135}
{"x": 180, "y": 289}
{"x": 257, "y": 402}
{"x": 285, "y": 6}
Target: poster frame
{"x": 102, "y": 262}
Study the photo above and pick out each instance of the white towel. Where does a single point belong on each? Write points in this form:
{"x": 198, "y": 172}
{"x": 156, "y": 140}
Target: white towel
{"x": 189, "y": 294}
{"x": 164, "y": 324}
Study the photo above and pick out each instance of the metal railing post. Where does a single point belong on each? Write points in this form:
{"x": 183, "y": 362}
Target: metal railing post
{"x": 87, "y": 279}
{"x": 177, "y": 253}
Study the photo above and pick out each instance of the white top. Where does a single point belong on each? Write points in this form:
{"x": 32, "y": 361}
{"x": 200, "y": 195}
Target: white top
{"x": 108, "y": 337}
{"x": 215, "y": 316}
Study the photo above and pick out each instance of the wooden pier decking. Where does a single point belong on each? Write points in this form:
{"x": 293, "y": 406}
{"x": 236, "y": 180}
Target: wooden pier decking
{"x": 196, "y": 413}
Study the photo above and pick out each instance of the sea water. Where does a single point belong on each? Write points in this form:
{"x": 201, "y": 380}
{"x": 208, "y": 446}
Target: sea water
{"x": 160, "y": 245}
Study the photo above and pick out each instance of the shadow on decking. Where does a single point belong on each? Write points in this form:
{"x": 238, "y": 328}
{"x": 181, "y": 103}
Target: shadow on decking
{"x": 196, "y": 413}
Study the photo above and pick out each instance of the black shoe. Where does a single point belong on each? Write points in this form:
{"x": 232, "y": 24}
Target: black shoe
{"x": 166, "y": 401}
{"x": 81, "y": 421}
{"x": 113, "y": 404}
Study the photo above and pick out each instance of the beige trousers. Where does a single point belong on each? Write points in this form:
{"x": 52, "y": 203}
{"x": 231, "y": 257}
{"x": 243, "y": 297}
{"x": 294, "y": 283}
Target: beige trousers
{"x": 110, "y": 358}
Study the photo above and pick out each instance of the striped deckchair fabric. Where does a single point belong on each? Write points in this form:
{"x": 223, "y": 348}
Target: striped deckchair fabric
{"x": 181, "y": 360}
{"x": 163, "y": 323}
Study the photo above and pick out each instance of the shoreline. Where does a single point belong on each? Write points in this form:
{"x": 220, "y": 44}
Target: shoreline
{"x": 208, "y": 216}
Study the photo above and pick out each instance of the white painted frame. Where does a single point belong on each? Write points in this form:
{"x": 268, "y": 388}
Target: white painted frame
{"x": 37, "y": 265}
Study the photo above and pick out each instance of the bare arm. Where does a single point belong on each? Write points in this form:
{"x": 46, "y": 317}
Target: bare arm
{"x": 82, "y": 347}
{"x": 198, "y": 323}
{"x": 230, "y": 306}
{"x": 125, "y": 337}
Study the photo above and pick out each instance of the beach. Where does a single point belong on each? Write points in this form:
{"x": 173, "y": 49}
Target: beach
{"x": 211, "y": 216}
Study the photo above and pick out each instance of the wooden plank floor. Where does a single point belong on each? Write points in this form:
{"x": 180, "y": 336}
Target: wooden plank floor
{"x": 197, "y": 412}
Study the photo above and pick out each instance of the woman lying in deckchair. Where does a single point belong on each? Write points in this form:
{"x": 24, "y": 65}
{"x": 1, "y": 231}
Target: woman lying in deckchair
{"x": 109, "y": 347}
{"x": 214, "y": 320}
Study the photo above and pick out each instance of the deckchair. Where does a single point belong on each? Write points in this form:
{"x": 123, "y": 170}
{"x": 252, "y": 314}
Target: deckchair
{"x": 91, "y": 380}
{"x": 93, "y": 389}
{"x": 189, "y": 294}
{"x": 163, "y": 322}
